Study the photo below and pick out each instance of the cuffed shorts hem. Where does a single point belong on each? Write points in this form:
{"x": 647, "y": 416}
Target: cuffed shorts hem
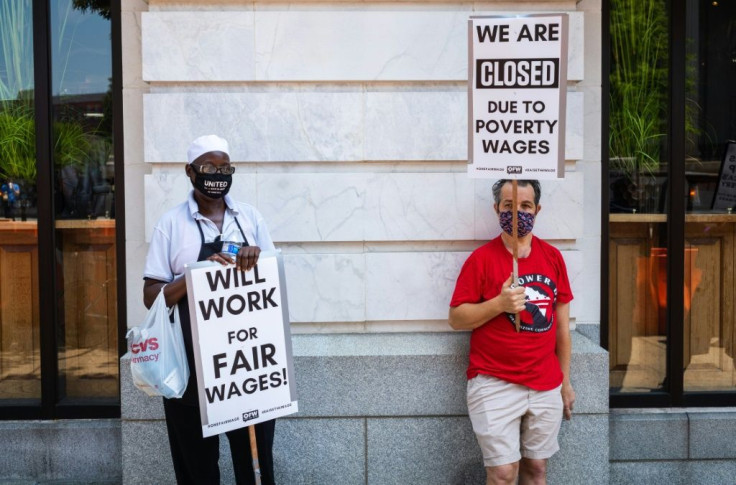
{"x": 502, "y": 460}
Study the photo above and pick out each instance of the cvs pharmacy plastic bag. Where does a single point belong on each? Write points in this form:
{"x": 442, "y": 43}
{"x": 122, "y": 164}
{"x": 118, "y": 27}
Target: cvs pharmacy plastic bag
{"x": 158, "y": 360}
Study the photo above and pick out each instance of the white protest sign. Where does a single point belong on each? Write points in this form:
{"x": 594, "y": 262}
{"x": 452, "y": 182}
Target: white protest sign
{"x": 725, "y": 197}
{"x": 242, "y": 343}
{"x": 517, "y": 76}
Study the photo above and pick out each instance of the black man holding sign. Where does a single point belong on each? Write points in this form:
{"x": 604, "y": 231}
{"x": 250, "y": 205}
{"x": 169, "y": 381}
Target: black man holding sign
{"x": 210, "y": 226}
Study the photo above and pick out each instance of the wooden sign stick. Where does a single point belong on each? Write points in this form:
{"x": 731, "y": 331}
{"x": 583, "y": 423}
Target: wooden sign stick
{"x": 515, "y": 244}
{"x": 254, "y": 453}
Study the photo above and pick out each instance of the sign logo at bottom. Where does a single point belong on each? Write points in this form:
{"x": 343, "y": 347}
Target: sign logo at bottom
{"x": 250, "y": 415}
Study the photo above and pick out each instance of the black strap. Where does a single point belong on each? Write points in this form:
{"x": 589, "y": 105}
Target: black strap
{"x": 201, "y": 234}
{"x": 245, "y": 239}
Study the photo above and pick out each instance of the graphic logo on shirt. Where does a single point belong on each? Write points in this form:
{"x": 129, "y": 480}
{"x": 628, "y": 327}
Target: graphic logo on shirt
{"x": 541, "y": 293}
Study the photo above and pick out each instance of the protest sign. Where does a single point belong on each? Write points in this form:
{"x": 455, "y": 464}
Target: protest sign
{"x": 517, "y": 76}
{"x": 242, "y": 343}
{"x": 725, "y": 196}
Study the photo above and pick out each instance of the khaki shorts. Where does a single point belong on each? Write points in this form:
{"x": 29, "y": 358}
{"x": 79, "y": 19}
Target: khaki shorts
{"x": 511, "y": 421}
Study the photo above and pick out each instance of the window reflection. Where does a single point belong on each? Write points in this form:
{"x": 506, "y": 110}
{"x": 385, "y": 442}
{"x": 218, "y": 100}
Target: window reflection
{"x": 638, "y": 289}
{"x": 20, "y": 363}
{"x": 710, "y": 225}
{"x": 84, "y": 206}
{"x": 638, "y": 179}
{"x": 84, "y": 218}
{"x": 638, "y": 212}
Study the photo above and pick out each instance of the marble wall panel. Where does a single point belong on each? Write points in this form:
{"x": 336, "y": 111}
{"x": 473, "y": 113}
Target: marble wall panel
{"x": 411, "y": 286}
{"x": 135, "y": 202}
{"x": 130, "y": 26}
{"x": 304, "y": 43}
{"x": 313, "y": 206}
{"x": 367, "y": 207}
{"x": 419, "y": 206}
{"x": 390, "y": 123}
{"x": 261, "y": 126}
{"x": 561, "y": 215}
{"x": 428, "y": 124}
{"x": 576, "y": 46}
{"x": 362, "y": 44}
{"x": 198, "y": 46}
{"x": 325, "y": 287}
{"x": 575, "y": 126}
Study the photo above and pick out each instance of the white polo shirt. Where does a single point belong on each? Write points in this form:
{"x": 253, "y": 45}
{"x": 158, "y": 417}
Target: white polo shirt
{"x": 176, "y": 240}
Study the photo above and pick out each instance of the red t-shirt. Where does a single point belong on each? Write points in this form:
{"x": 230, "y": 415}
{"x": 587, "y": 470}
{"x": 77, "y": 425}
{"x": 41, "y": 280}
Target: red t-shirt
{"x": 496, "y": 349}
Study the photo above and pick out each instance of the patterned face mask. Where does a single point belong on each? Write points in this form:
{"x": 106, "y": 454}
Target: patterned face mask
{"x": 525, "y": 222}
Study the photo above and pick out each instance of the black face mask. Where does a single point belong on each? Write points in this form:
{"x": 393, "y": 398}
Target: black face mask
{"x": 214, "y": 185}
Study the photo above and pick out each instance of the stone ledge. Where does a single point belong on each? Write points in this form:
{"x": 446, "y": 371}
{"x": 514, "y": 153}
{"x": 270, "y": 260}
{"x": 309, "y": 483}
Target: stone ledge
{"x": 69, "y": 451}
{"x": 672, "y": 434}
{"x": 387, "y": 451}
{"x": 649, "y": 436}
{"x": 695, "y": 472}
{"x": 423, "y": 450}
{"x": 583, "y": 455}
{"x": 712, "y": 435}
{"x": 312, "y": 451}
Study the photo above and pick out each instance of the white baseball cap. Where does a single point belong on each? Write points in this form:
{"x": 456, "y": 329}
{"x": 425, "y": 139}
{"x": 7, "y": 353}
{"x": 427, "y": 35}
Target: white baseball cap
{"x": 207, "y": 143}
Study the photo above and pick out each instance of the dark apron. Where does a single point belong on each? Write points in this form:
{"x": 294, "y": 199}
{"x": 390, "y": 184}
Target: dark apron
{"x": 190, "y": 396}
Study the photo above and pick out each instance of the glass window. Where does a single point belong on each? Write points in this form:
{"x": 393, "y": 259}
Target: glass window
{"x": 643, "y": 337}
{"x": 20, "y": 352}
{"x": 83, "y": 203}
{"x": 58, "y": 357}
{"x": 637, "y": 194}
{"x": 710, "y": 176}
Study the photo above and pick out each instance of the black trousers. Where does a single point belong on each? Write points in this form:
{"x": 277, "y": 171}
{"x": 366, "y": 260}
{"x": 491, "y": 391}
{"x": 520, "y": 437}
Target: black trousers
{"x": 195, "y": 458}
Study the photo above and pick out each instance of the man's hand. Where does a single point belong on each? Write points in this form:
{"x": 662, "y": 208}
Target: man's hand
{"x": 247, "y": 257}
{"x": 511, "y": 299}
{"x": 222, "y": 258}
{"x": 568, "y": 400}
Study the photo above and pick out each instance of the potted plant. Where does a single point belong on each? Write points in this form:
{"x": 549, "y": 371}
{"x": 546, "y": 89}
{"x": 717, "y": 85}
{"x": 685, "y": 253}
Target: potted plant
{"x": 18, "y": 150}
